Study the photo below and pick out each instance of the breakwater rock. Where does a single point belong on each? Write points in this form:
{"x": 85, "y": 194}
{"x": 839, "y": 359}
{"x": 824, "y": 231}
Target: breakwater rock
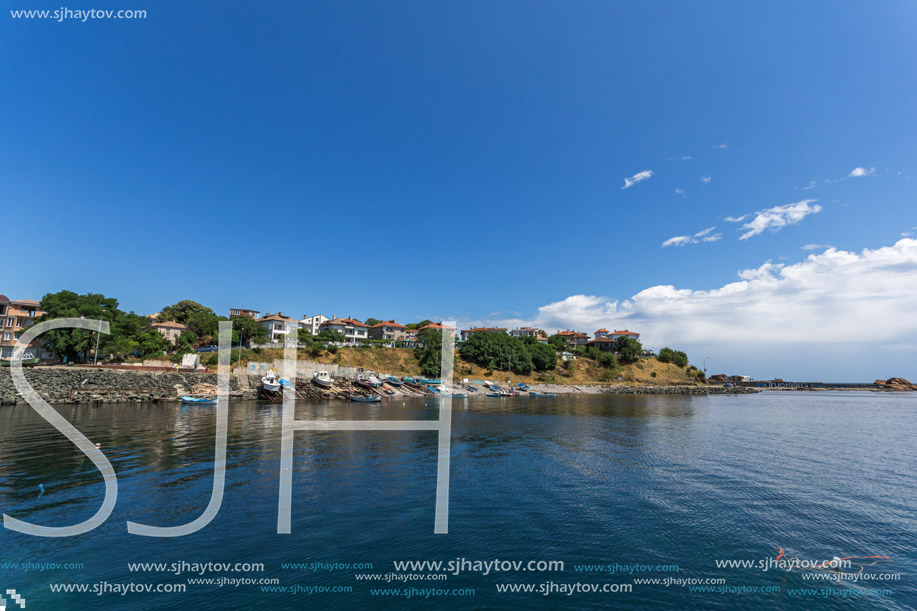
{"x": 89, "y": 385}
{"x": 678, "y": 390}
{"x": 623, "y": 389}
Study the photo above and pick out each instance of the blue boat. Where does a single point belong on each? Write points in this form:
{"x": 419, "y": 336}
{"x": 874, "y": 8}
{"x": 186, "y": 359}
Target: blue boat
{"x": 358, "y": 399}
{"x": 199, "y": 400}
{"x": 493, "y": 394}
{"x": 471, "y": 389}
{"x": 535, "y": 393}
{"x": 396, "y": 382}
{"x": 426, "y": 381}
{"x": 434, "y": 389}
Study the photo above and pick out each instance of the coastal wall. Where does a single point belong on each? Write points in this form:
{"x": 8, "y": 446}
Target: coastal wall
{"x": 623, "y": 389}
{"x": 87, "y": 385}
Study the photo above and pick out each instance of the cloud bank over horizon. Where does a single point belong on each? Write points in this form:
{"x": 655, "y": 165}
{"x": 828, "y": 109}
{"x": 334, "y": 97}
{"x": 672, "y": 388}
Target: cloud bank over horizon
{"x": 834, "y": 316}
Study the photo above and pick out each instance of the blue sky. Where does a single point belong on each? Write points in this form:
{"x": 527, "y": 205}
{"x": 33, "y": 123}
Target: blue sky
{"x": 464, "y": 160}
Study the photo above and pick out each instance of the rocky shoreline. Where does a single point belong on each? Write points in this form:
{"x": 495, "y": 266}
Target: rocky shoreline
{"x": 86, "y": 385}
{"x": 74, "y": 385}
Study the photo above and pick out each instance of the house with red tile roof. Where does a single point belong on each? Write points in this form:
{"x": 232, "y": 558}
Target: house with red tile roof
{"x": 624, "y": 333}
{"x": 169, "y": 329}
{"x": 354, "y": 331}
{"x": 575, "y": 339}
{"x": 388, "y": 330}
{"x": 278, "y": 326}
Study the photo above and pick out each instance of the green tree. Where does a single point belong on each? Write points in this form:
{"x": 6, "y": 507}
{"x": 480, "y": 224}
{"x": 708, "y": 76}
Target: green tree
{"x": 418, "y": 325}
{"x": 429, "y": 355}
{"x": 76, "y": 344}
{"x": 677, "y": 357}
{"x": 544, "y": 357}
{"x": 152, "y": 343}
{"x": 494, "y": 350}
{"x": 181, "y": 312}
{"x": 248, "y": 330}
{"x": 205, "y": 323}
{"x": 330, "y": 335}
{"x": 559, "y": 343}
{"x": 629, "y": 349}
{"x": 371, "y": 321}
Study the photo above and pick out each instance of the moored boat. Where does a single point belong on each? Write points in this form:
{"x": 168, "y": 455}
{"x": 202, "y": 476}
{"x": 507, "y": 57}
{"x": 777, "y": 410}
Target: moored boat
{"x": 396, "y": 382}
{"x": 199, "y": 400}
{"x": 359, "y": 399}
{"x": 362, "y": 380}
{"x": 323, "y": 379}
{"x": 271, "y": 381}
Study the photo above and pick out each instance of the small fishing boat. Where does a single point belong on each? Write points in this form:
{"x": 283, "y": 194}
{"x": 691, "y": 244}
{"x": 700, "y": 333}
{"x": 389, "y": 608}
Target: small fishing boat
{"x": 506, "y": 393}
{"x": 494, "y": 394}
{"x": 6, "y": 362}
{"x": 271, "y": 381}
{"x": 535, "y": 393}
{"x": 426, "y": 381}
{"x": 389, "y": 391}
{"x": 363, "y": 380}
{"x": 323, "y": 379}
{"x": 523, "y": 386}
{"x": 460, "y": 395}
{"x": 359, "y": 399}
{"x": 199, "y": 400}
{"x": 396, "y": 382}
{"x": 374, "y": 380}
{"x": 471, "y": 389}
{"x": 434, "y": 389}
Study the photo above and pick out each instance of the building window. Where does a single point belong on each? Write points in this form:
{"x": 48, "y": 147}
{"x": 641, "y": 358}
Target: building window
{"x": 7, "y": 336}
{"x": 9, "y": 322}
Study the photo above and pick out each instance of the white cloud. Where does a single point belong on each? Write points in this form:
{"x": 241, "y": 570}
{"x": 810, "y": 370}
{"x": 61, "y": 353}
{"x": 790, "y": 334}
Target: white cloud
{"x": 638, "y": 177}
{"x": 679, "y": 240}
{"x": 860, "y": 172}
{"x": 779, "y": 217}
{"x": 705, "y": 235}
{"x": 736, "y": 219}
{"x": 908, "y": 234}
{"x": 680, "y": 191}
{"x": 811, "y": 185}
{"x": 811, "y": 319}
{"x": 705, "y": 179}
{"x": 686, "y": 158}
{"x": 816, "y": 246}
{"x": 720, "y": 146}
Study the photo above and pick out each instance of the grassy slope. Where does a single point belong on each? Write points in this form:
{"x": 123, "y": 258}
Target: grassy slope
{"x": 401, "y": 361}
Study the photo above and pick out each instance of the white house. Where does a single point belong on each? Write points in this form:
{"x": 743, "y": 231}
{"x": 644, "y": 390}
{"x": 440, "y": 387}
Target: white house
{"x": 624, "y": 333}
{"x": 355, "y": 332}
{"x": 278, "y": 326}
{"x": 312, "y": 323}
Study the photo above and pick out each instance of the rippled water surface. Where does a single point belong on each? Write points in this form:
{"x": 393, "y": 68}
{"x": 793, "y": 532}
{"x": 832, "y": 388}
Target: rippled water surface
{"x": 587, "y": 480}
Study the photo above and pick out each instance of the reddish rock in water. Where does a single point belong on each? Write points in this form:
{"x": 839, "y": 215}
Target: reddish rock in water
{"x": 895, "y": 384}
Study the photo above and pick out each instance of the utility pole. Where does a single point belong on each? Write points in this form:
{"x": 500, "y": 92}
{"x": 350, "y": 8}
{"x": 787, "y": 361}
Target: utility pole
{"x": 705, "y": 365}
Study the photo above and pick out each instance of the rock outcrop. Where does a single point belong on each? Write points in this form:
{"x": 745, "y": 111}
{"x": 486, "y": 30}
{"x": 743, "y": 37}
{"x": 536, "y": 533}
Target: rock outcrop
{"x": 897, "y": 384}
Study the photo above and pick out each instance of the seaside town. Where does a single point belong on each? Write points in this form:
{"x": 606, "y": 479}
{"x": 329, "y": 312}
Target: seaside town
{"x": 343, "y": 357}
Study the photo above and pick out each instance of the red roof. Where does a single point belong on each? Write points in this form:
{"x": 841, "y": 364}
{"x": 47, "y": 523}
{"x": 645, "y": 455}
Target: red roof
{"x": 487, "y": 329}
{"x": 26, "y": 302}
{"x": 603, "y": 330}
{"x": 571, "y": 334}
{"x": 388, "y": 323}
{"x": 344, "y": 321}
{"x": 625, "y": 332}
{"x": 433, "y": 325}
{"x": 169, "y": 323}
{"x": 4, "y": 299}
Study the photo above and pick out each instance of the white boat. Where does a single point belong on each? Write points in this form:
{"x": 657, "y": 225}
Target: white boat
{"x": 374, "y": 380}
{"x": 199, "y": 400}
{"x": 323, "y": 378}
{"x": 271, "y": 381}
